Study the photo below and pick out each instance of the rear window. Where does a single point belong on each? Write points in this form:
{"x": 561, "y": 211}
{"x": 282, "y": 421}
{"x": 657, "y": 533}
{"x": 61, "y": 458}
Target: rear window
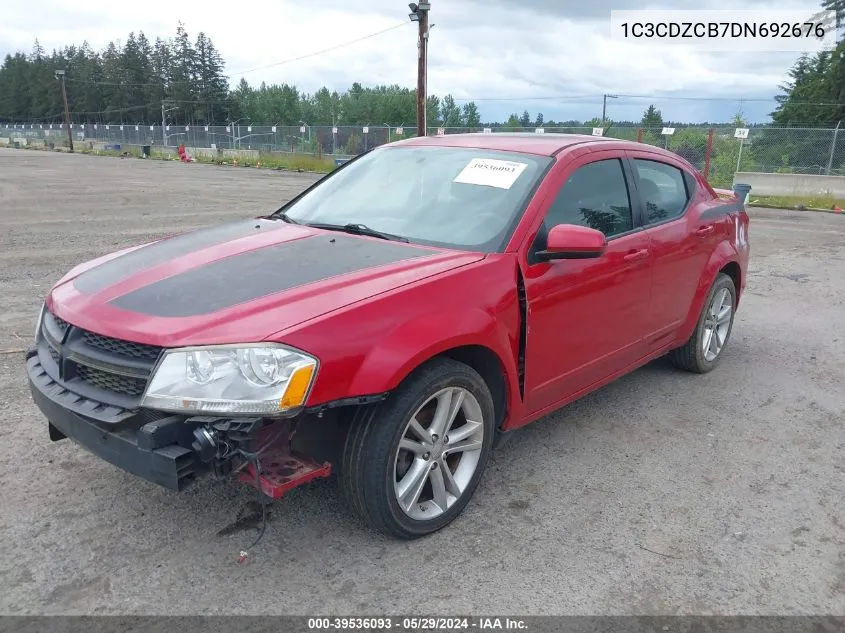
{"x": 663, "y": 190}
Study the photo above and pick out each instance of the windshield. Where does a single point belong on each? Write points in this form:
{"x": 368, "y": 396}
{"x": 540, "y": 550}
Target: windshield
{"x": 444, "y": 196}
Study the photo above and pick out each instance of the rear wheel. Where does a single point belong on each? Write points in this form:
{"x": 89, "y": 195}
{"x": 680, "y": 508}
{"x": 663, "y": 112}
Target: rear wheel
{"x": 410, "y": 465}
{"x": 702, "y": 351}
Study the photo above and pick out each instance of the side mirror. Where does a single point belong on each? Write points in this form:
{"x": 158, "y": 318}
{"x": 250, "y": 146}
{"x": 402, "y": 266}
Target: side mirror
{"x": 569, "y": 241}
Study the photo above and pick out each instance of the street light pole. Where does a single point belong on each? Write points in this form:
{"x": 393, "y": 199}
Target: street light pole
{"x": 164, "y": 121}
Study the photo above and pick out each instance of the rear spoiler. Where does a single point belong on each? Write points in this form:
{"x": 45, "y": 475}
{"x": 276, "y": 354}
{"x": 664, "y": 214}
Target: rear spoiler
{"x": 739, "y": 192}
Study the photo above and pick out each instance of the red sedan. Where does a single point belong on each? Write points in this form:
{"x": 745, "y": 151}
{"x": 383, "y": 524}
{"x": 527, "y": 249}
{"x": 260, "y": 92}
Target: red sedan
{"x": 394, "y": 321}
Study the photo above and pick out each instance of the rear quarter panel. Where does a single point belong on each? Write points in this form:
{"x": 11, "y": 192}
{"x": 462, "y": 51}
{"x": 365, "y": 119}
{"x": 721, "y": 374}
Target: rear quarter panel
{"x": 732, "y": 249}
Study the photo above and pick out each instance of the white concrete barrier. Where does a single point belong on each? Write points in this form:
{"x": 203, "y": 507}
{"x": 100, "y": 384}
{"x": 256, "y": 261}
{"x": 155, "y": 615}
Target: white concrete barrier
{"x": 797, "y": 185}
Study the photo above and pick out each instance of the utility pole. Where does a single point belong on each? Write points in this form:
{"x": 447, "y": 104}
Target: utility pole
{"x": 604, "y": 108}
{"x": 419, "y": 14}
{"x": 61, "y": 74}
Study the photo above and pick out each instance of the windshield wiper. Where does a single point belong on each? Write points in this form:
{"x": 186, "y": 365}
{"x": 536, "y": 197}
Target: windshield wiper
{"x": 281, "y": 215}
{"x": 358, "y": 229}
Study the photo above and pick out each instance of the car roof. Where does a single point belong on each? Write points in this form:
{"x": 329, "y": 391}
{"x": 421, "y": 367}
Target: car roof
{"x": 525, "y": 142}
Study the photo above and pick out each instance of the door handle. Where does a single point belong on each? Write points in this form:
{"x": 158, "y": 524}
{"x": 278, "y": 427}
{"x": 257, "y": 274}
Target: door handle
{"x": 704, "y": 231}
{"x": 633, "y": 256}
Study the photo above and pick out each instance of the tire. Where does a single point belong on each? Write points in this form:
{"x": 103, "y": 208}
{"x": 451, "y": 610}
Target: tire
{"x": 375, "y": 471}
{"x": 692, "y": 356}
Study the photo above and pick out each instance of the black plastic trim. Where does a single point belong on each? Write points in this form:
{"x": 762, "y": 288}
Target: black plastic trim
{"x": 347, "y": 402}
{"x": 522, "y": 299}
{"x": 161, "y": 457}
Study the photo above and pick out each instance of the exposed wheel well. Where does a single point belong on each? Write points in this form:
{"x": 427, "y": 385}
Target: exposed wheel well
{"x": 732, "y": 270}
{"x": 487, "y": 364}
{"x": 324, "y": 441}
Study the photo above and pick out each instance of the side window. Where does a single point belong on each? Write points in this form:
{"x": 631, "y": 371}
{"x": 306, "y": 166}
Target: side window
{"x": 663, "y": 189}
{"x": 595, "y": 195}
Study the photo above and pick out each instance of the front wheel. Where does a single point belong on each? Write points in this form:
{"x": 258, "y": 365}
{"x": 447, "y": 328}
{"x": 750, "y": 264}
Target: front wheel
{"x": 411, "y": 464}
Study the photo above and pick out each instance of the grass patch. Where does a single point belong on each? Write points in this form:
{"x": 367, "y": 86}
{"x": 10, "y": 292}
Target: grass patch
{"x": 801, "y": 202}
{"x": 129, "y": 152}
{"x": 278, "y": 161}
{"x": 289, "y": 162}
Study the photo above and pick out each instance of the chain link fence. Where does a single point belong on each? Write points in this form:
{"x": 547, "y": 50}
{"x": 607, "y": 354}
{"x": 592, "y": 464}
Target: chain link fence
{"x": 715, "y": 151}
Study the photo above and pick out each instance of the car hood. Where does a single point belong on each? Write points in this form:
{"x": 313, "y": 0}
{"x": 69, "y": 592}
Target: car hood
{"x": 241, "y": 281}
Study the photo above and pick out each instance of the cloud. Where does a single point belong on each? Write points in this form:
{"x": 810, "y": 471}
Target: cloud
{"x": 504, "y": 55}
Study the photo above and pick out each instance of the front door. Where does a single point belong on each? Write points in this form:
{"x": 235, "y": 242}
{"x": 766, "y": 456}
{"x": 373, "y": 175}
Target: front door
{"x": 587, "y": 318}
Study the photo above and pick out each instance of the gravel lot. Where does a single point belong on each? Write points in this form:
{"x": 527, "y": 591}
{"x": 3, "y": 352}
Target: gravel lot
{"x": 664, "y": 493}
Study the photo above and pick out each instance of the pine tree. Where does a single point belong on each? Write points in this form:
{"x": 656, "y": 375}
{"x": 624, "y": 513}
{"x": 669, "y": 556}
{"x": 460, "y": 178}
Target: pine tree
{"x": 525, "y": 119}
{"x": 470, "y": 114}
{"x": 183, "y": 70}
{"x": 652, "y": 118}
{"x": 212, "y": 86}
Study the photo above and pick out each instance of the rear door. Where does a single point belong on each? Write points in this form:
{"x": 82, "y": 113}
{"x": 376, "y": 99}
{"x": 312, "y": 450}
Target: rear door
{"x": 587, "y": 318}
{"x": 680, "y": 244}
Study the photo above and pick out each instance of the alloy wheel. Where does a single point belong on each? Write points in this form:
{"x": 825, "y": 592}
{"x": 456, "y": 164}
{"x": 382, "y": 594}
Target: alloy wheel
{"x": 438, "y": 453}
{"x": 717, "y": 324}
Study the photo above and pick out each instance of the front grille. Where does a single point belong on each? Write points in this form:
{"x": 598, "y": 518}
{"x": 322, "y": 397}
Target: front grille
{"x": 99, "y": 365}
{"x": 118, "y": 347}
{"x": 110, "y": 382}
{"x": 60, "y": 323}
{"x": 152, "y": 415}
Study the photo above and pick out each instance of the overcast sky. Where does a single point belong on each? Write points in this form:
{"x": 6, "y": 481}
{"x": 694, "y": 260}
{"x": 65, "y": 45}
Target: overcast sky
{"x": 501, "y": 53}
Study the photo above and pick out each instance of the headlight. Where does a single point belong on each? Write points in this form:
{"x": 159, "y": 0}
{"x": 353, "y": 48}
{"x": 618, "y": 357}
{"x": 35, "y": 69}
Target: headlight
{"x": 263, "y": 379}
{"x": 40, "y": 320}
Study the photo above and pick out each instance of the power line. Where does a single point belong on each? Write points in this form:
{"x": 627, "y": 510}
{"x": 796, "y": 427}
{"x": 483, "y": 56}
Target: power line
{"x": 168, "y": 84}
{"x": 541, "y": 98}
{"x": 162, "y": 84}
{"x": 325, "y": 50}
{"x": 598, "y": 97}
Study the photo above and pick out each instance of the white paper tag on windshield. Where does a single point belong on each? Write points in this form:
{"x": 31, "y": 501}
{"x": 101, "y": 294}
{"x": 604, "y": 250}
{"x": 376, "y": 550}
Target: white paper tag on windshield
{"x": 490, "y": 172}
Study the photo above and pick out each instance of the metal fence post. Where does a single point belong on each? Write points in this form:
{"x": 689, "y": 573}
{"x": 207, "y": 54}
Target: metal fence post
{"x": 708, "y": 153}
{"x": 832, "y": 148}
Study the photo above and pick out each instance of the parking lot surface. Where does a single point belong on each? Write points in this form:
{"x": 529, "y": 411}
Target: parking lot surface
{"x": 663, "y": 493}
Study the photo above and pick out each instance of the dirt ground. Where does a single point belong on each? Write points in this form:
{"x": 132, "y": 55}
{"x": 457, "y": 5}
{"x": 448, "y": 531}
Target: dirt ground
{"x": 663, "y": 493}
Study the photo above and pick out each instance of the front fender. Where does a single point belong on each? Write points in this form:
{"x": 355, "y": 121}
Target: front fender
{"x": 412, "y": 343}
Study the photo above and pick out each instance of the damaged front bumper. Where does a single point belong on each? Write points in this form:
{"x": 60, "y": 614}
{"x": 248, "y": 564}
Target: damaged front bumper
{"x": 164, "y": 449}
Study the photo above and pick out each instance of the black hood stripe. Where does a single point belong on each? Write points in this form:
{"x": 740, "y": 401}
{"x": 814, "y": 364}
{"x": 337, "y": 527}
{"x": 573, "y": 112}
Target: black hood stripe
{"x": 264, "y": 271}
{"x": 119, "y": 268}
